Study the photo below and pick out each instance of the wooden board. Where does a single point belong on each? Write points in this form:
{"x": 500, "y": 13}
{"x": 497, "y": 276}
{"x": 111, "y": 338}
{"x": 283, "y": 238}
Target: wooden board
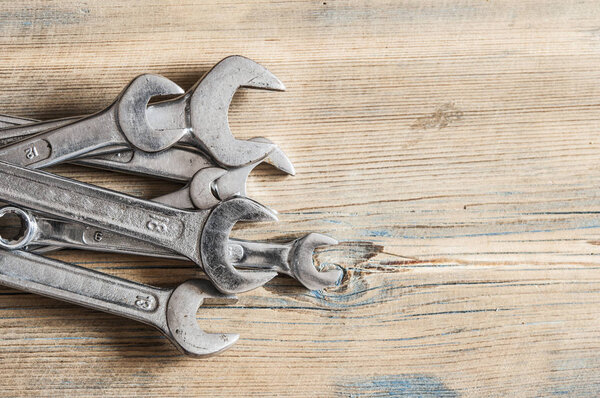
{"x": 452, "y": 147}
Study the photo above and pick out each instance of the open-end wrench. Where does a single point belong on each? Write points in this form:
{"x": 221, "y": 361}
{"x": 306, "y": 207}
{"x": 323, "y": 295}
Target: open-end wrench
{"x": 122, "y": 124}
{"x": 175, "y": 164}
{"x": 293, "y": 259}
{"x": 202, "y": 236}
{"x": 179, "y": 163}
{"x": 197, "y": 118}
{"x": 172, "y": 311}
{"x": 207, "y": 185}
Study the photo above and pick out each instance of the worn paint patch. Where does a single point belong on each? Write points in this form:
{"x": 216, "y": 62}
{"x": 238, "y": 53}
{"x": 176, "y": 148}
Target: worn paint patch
{"x": 577, "y": 376}
{"x": 411, "y": 385}
{"x": 443, "y": 116}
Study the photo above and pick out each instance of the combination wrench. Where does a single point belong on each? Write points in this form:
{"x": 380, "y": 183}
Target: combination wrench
{"x": 201, "y": 236}
{"x": 41, "y": 234}
{"x": 172, "y": 311}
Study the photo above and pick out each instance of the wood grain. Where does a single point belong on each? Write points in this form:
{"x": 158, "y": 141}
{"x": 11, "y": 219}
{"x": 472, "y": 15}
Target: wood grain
{"x": 450, "y": 145}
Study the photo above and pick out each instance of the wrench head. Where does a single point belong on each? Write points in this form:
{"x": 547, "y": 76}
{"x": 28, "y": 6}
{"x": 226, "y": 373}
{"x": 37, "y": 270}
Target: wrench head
{"x": 29, "y": 229}
{"x": 211, "y": 185}
{"x": 277, "y": 158}
{"x": 183, "y": 329}
{"x": 214, "y": 245}
{"x": 301, "y": 264}
{"x": 234, "y": 181}
{"x": 209, "y": 105}
{"x": 131, "y": 113}
{"x": 200, "y": 190}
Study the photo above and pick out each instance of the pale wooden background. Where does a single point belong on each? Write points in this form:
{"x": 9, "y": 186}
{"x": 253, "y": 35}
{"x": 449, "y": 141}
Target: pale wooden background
{"x": 451, "y": 146}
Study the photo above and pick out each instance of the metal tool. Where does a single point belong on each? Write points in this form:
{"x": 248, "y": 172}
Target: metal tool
{"x": 14, "y": 128}
{"x": 121, "y": 124}
{"x": 207, "y": 184}
{"x": 197, "y": 118}
{"x": 179, "y": 163}
{"x": 174, "y": 164}
{"x": 172, "y": 311}
{"x": 293, "y": 259}
{"x": 208, "y": 187}
{"x": 202, "y": 236}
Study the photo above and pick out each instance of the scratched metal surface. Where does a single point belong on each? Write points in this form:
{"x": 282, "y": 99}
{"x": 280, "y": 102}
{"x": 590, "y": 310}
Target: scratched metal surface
{"x": 451, "y": 146}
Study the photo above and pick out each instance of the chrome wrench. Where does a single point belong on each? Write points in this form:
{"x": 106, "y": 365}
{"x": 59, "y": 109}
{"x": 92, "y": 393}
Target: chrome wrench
{"x": 175, "y": 164}
{"x": 197, "y": 118}
{"x": 201, "y": 236}
{"x": 172, "y": 311}
{"x": 293, "y": 259}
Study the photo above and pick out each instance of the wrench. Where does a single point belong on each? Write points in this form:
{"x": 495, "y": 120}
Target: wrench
{"x": 120, "y": 124}
{"x": 293, "y": 259}
{"x": 208, "y": 185}
{"x": 201, "y": 236}
{"x": 197, "y": 118}
{"x": 172, "y": 311}
{"x": 175, "y": 164}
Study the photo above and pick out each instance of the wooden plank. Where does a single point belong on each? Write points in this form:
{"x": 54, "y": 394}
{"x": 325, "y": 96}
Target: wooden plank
{"x": 451, "y": 146}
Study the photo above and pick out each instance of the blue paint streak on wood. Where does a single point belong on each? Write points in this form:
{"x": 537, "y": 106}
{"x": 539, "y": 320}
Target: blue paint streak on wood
{"x": 410, "y": 385}
{"x": 575, "y": 377}
{"x": 378, "y": 233}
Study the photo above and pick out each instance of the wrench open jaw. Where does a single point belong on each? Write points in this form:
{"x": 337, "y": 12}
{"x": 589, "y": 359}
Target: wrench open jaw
{"x": 122, "y": 125}
{"x": 209, "y": 186}
{"x": 182, "y": 327}
{"x": 207, "y": 103}
{"x": 214, "y": 245}
{"x": 172, "y": 311}
{"x": 302, "y": 267}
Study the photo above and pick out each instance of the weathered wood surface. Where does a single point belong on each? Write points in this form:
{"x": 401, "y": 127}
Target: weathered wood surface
{"x": 451, "y": 146}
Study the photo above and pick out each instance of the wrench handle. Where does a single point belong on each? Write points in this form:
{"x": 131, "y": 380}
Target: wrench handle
{"x": 65, "y": 142}
{"x": 64, "y": 198}
{"x": 57, "y": 234}
{"x": 67, "y": 282}
{"x": 61, "y": 234}
{"x": 175, "y": 164}
{"x": 14, "y": 129}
